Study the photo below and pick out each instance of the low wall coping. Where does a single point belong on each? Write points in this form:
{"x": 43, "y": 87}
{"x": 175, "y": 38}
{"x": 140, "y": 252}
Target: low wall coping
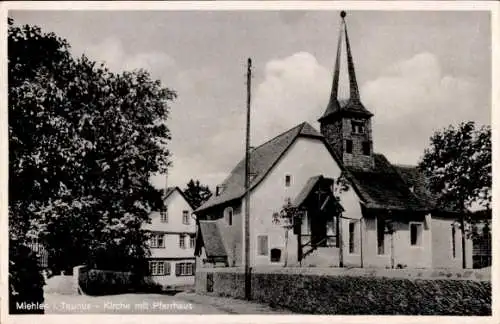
{"x": 425, "y": 274}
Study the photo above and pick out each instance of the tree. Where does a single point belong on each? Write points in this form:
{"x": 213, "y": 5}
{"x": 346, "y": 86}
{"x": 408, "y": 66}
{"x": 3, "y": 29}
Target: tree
{"x": 25, "y": 280}
{"x": 196, "y": 193}
{"x": 458, "y": 168}
{"x": 83, "y": 143}
{"x": 288, "y": 216}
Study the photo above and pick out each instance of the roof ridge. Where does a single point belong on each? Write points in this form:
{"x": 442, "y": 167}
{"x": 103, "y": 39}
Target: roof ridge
{"x": 242, "y": 160}
{"x": 301, "y": 125}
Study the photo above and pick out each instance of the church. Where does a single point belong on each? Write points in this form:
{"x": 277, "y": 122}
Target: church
{"x": 354, "y": 208}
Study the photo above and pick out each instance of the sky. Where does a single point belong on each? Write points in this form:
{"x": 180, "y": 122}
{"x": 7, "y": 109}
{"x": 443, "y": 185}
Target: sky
{"x": 418, "y": 72}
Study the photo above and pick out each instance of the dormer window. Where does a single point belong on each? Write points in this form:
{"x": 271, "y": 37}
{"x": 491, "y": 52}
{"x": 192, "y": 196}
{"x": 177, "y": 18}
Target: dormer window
{"x": 358, "y": 127}
{"x": 219, "y": 190}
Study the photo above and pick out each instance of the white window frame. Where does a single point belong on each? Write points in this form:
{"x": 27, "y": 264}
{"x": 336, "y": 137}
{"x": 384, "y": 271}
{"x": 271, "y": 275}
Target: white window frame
{"x": 164, "y": 214}
{"x": 421, "y": 245}
{"x": 185, "y": 217}
{"x": 192, "y": 241}
{"x": 154, "y": 242}
{"x": 267, "y": 246}
{"x": 159, "y": 268}
{"x": 186, "y": 269}
{"x": 356, "y": 233}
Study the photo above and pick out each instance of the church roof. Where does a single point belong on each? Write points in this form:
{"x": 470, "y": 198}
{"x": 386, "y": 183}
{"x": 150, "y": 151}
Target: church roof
{"x": 384, "y": 187}
{"x": 347, "y": 107}
{"x": 262, "y": 159}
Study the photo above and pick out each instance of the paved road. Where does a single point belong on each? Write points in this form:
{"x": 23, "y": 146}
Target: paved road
{"x": 60, "y": 299}
{"x": 125, "y": 304}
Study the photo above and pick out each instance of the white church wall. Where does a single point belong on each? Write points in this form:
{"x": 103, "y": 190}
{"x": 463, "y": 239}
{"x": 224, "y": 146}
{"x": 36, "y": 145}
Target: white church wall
{"x": 306, "y": 158}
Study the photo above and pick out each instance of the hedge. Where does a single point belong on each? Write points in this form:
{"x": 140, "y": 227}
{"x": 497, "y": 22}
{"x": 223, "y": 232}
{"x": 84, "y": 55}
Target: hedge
{"x": 360, "y": 295}
{"x": 106, "y": 282}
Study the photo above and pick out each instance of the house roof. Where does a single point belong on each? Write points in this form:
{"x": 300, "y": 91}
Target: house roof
{"x": 262, "y": 159}
{"x": 170, "y": 190}
{"x": 210, "y": 237}
{"x": 383, "y": 187}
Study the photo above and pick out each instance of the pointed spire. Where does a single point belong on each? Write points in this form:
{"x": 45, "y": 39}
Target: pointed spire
{"x": 336, "y": 73}
{"x": 353, "y": 104}
{"x": 353, "y": 84}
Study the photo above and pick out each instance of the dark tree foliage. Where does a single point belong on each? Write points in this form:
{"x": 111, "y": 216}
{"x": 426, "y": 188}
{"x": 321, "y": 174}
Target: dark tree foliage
{"x": 458, "y": 167}
{"x": 25, "y": 280}
{"x": 197, "y": 193}
{"x": 83, "y": 143}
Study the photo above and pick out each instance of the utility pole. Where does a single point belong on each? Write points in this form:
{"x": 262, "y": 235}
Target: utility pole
{"x": 248, "y": 280}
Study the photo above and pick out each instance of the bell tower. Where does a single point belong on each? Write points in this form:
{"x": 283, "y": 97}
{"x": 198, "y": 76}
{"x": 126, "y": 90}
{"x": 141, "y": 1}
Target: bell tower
{"x": 346, "y": 123}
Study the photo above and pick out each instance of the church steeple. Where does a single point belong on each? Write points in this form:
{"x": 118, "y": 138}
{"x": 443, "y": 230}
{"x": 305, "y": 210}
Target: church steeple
{"x": 346, "y": 124}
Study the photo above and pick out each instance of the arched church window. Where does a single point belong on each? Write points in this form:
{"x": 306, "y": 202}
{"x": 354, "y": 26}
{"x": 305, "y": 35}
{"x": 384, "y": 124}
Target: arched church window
{"x": 228, "y": 215}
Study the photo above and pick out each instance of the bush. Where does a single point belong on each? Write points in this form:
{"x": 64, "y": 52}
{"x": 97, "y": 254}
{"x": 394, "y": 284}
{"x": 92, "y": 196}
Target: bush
{"x": 106, "y": 282}
{"x": 25, "y": 280}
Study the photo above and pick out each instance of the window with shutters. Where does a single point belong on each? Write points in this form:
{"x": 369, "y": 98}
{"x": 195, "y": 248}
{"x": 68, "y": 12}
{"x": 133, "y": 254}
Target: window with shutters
{"x": 262, "y": 245}
{"x": 182, "y": 241}
{"x": 184, "y": 269}
{"x": 157, "y": 241}
{"x": 159, "y": 268}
